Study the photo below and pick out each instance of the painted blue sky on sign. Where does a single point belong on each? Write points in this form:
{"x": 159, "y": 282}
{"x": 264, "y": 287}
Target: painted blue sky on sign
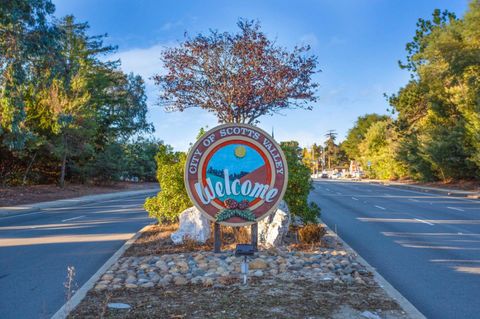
{"x": 358, "y": 44}
{"x": 225, "y": 158}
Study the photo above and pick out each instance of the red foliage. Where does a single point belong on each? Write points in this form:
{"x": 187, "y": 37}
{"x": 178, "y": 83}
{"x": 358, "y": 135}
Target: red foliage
{"x": 239, "y": 76}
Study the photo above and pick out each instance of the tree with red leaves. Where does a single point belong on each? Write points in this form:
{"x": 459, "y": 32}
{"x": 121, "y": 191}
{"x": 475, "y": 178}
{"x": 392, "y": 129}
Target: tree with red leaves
{"x": 239, "y": 77}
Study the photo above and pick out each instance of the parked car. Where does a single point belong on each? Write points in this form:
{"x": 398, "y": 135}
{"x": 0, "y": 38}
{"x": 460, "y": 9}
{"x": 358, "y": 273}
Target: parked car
{"x": 324, "y": 175}
{"x": 336, "y": 175}
{"x": 358, "y": 175}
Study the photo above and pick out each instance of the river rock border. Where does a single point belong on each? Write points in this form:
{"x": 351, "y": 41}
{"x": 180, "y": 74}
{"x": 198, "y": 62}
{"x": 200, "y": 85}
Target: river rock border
{"x": 209, "y": 269}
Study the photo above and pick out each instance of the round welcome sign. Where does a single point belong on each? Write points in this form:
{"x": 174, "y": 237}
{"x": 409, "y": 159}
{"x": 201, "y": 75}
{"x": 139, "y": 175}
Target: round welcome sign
{"x": 236, "y": 174}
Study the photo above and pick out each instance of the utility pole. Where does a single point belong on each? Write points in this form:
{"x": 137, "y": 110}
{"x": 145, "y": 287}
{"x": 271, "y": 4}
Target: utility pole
{"x": 323, "y": 159}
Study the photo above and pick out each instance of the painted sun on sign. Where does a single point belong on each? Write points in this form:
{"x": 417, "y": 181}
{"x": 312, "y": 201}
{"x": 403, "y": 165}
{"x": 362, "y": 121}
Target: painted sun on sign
{"x": 236, "y": 174}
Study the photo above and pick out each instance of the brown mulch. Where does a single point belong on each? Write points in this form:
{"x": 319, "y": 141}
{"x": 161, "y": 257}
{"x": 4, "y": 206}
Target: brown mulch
{"x": 272, "y": 299}
{"x": 156, "y": 241}
{"x": 19, "y": 195}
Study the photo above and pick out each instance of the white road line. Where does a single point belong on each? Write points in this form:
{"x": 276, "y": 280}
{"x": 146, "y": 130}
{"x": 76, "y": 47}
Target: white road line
{"x": 66, "y": 220}
{"x": 413, "y": 199}
{"x": 18, "y": 215}
{"x": 455, "y": 208}
{"x": 327, "y": 189}
{"x": 339, "y": 193}
{"x": 424, "y": 221}
{"x": 380, "y": 207}
{"x": 354, "y": 198}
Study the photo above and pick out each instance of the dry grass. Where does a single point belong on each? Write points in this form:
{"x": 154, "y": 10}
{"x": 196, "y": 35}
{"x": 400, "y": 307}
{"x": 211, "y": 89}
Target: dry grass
{"x": 311, "y": 234}
{"x": 156, "y": 241}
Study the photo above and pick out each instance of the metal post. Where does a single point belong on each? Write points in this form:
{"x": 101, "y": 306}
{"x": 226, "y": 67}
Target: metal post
{"x": 254, "y": 233}
{"x": 216, "y": 238}
{"x": 244, "y": 268}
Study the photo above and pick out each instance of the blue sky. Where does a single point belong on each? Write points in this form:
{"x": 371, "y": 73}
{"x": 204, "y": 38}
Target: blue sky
{"x": 358, "y": 44}
{"x": 225, "y": 158}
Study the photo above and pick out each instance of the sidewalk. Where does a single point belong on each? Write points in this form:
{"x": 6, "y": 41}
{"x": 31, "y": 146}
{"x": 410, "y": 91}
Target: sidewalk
{"x": 27, "y": 208}
{"x": 427, "y": 189}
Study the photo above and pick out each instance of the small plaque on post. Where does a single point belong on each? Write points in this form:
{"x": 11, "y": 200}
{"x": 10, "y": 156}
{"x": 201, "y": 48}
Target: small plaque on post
{"x": 244, "y": 250}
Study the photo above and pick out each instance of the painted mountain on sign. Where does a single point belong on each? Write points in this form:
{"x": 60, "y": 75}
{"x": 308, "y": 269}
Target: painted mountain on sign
{"x": 258, "y": 175}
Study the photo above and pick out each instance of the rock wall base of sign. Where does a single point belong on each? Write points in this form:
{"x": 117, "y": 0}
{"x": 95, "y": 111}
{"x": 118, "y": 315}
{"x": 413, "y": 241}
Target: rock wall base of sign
{"x": 273, "y": 229}
{"x": 193, "y": 225}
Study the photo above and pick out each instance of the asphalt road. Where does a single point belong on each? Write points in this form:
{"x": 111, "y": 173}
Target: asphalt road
{"x": 427, "y": 246}
{"x": 37, "y": 247}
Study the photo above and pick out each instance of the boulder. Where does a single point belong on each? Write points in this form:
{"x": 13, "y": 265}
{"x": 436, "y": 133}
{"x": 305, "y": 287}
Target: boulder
{"x": 297, "y": 221}
{"x": 193, "y": 225}
{"x": 273, "y": 229}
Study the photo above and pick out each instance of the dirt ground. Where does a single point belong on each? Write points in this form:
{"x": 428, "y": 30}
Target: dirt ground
{"x": 472, "y": 186}
{"x": 272, "y": 299}
{"x": 19, "y": 195}
{"x": 461, "y": 185}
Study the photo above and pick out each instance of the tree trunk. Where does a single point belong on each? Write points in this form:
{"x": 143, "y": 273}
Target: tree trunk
{"x": 443, "y": 175}
{"x": 62, "y": 173}
{"x": 28, "y": 169}
{"x": 64, "y": 162}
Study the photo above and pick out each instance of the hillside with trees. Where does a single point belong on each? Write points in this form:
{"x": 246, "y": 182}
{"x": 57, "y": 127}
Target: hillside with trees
{"x": 67, "y": 113}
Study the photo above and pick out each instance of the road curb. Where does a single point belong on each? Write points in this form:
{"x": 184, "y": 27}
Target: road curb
{"x": 417, "y": 188}
{"x": 411, "y": 311}
{"x": 28, "y": 208}
{"x": 431, "y": 190}
{"x": 70, "y": 305}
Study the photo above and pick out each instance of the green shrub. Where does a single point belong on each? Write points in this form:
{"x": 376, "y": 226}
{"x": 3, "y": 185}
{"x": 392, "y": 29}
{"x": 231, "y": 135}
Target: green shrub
{"x": 299, "y": 185}
{"x": 172, "y": 198}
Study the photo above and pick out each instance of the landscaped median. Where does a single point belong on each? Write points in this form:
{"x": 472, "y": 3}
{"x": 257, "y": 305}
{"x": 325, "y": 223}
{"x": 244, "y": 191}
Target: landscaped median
{"x": 156, "y": 279}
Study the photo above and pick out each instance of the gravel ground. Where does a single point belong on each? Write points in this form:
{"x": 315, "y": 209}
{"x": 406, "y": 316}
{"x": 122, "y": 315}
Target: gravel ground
{"x": 207, "y": 268}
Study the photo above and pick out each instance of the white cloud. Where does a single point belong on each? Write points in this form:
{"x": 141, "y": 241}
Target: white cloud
{"x": 145, "y": 62}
